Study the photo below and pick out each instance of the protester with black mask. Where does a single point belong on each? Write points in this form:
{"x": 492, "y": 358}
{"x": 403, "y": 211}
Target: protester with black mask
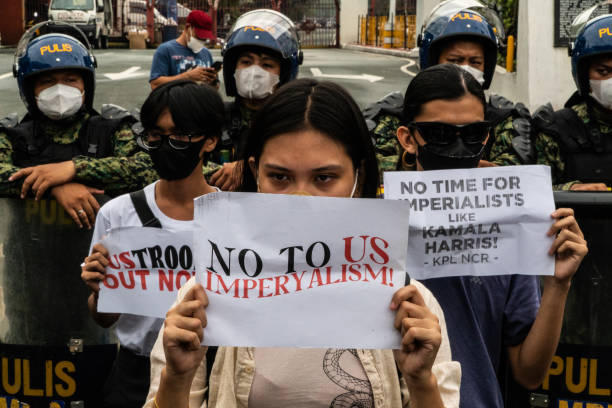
{"x": 444, "y": 138}
{"x": 182, "y": 124}
{"x": 488, "y": 316}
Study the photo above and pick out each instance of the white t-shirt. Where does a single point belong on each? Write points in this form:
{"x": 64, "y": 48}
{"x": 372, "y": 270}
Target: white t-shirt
{"x": 137, "y": 333}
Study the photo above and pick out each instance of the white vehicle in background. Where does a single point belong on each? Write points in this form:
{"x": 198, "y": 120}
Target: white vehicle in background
{"x": 93, "y": 17}
{"x": 135, "y": 16}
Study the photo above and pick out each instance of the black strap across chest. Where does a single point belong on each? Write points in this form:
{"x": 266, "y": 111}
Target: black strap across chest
{"x": 146, "y": 216}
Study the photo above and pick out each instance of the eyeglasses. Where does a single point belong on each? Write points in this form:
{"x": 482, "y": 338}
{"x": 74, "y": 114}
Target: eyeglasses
{"x": 154, "y": 140}
{"x": 444, "y": 133}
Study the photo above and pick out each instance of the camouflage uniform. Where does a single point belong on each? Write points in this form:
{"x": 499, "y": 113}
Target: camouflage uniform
{"x": 549, "y": 152}
{"x": 388, "y": 149}
{"x": 128, "y": 170}
{"x": 502, "y": 153}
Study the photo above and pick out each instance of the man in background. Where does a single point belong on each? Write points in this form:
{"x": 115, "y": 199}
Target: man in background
{"x": 187, "y": 56}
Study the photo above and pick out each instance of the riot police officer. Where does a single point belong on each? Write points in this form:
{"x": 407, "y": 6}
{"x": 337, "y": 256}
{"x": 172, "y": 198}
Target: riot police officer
{"x": 576, "y": 141}
{"x": 468, "y": 34}
{"x": 261, "y": 53}
{"x": 63, "y": 145}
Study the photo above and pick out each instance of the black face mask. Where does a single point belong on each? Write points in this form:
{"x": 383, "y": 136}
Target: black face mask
{"x": 457, "y": 155}
{"x": 175, "y": 164}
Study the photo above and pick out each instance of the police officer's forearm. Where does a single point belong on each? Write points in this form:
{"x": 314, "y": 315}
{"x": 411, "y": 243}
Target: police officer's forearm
{"x": 116, "y": 174}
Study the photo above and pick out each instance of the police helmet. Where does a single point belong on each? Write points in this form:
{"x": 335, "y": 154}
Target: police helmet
{"x": 51, "y": 46}
{"x": 593, "y": 36}
{"x": 461, "y": 19}
{"x": 266, "y": 31}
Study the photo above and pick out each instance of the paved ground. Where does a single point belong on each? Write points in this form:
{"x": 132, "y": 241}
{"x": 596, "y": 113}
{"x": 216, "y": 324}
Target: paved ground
{"x": 367, "y": 76}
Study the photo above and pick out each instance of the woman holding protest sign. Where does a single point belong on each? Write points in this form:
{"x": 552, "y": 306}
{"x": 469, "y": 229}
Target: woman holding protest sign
{"x": 308, "y": 139}
{"x": 182, "y": 122}
{"x": 444, "y": 111}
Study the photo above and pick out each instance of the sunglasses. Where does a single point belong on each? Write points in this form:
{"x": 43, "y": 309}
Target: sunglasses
{"x": 154, "y": 140}
{"x": 445, "y": 134}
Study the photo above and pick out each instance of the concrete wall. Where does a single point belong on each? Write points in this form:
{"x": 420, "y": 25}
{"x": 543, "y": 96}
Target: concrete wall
{"x": 11, "y": 21}
{"x": 423, "y": 9}
{"x": 543, "y": 72}
{"x": 350, "y": 10}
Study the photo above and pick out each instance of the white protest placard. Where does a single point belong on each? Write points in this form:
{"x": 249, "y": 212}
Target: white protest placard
{"x": 294, "y": 271}
{"x": 147, "y": 268}
{"x": 483, "y": 221}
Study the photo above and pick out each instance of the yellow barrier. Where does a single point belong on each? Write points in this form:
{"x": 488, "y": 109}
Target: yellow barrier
{"x": 374, "y": 31}
{"x": 510, "y": 54}
{"x": 388, "y": 34}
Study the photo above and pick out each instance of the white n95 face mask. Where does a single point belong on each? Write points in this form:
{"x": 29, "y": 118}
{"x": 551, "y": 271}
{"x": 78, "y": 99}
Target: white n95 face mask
{"x": 601, "y": 91}
{"x": 255, "y": 82}
{"x": 475, "y": 72}
{"x": 59, "y": 101}
{"x": 195, "y": 44}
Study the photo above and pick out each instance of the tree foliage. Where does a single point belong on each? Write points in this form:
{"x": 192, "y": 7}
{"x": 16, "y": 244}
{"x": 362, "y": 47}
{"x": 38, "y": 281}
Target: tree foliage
{"x": 508, "y": 12}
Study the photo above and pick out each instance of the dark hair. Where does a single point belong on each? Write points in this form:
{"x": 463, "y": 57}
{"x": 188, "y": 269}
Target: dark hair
{"x": 323, "y": 106}
{"x": 443, "y": 81}
{"x": 194, "y": 108}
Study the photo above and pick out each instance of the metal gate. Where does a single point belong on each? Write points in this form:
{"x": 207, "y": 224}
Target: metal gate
{"x": 35, "y": 11}
{"x": 317, "y": 20}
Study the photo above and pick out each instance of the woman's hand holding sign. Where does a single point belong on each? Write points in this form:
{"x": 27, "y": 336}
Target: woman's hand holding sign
{"x": 94, "y": 266}
{"x": 569, "y": 246}
{"x": 421, "y": 338}
{"x": 530, "y": 360}
{"x": 93, "y": 271}
{"x": 183, "y": 335}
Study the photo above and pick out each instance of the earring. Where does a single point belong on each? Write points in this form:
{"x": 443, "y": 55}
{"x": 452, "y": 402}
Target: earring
{"x": 408, "y": 161}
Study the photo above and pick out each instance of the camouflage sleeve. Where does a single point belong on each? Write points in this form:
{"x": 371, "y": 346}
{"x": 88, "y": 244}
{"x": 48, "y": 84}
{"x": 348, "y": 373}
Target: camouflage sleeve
{"x": 502, "y": 152}
{"x": 128, "y": 170}
{"x": 386, "y": 145}
{"x": 548, "y": 153}
{"x": 10, "y": 188}
{"x": 210, "y": 168}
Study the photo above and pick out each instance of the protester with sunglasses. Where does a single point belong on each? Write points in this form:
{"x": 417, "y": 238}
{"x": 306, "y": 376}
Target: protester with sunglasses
{"x": 182, "y": 122}
{"x": 308, "y": 139}
{"x": 444, "y": 128}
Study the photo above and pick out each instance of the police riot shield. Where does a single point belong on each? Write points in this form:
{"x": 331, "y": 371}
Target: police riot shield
{"x": 581, "y": 371}
{"x": 52, "y": 352}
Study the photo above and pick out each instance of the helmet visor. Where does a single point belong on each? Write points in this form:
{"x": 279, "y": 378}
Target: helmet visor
{"x": 47, "y": 27}
{"x": 445, "y": 11}
{"x": 587, "y": 15}
{"x": 280, "y": 27}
